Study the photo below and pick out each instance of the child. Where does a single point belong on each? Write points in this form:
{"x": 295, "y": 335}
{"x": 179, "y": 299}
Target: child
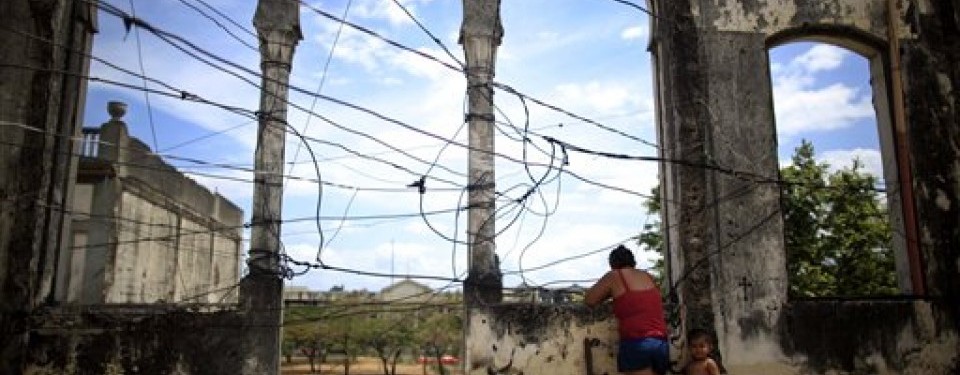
{"x": 701, "y": 345}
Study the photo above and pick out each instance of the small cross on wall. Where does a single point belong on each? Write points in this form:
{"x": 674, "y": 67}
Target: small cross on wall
{"x": 744, "y": 283}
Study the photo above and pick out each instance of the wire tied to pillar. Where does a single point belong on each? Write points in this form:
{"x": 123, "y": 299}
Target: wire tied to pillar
{"x": 420, "y": 184}
{"x": 478, "y": 116}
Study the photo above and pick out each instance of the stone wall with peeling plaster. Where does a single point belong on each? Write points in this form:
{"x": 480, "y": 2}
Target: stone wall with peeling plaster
{"x": 726, "y": 250}
{"x": 540, "y": 339}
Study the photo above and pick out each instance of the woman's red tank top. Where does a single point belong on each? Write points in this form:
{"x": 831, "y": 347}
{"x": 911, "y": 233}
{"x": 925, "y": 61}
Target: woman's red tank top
{"x": 639, "y": 312}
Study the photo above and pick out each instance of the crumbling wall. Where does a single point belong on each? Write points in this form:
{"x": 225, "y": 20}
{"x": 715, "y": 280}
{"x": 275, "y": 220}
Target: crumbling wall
{"x": 175, "y": 241}
{"x": 932, "y": 95}
{"x": 541, "y": 339}
{"x": 135, "y": 340}
{"x": 726, "y": 245}
{"x": 869, "y": 337}
{"x": 41, "y": 101}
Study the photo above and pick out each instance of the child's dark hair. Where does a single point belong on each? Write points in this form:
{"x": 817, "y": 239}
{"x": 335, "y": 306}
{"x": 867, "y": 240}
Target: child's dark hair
{"x": 699, "y": 333}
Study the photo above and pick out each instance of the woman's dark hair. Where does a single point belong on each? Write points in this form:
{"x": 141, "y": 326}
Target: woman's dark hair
{"x": 622, "y": 257}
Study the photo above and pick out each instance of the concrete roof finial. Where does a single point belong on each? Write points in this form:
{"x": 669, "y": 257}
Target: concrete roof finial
{"x": 117, "y": 110}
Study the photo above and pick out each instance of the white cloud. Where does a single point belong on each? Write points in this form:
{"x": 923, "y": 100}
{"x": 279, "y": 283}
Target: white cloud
{"x": 840, "y": 159}
{"x": 821, "y": 57}
{"x": 808, "y": 109}
{"x": 375, "y": 9}
{"x": 421, "y": 93}
{"x": 606, "y": 96}
{"x": 356, "y": 48}
{"x": 633, "y": 32}
{"x": 804, "y": 104}
{"x": 422, "y": 67}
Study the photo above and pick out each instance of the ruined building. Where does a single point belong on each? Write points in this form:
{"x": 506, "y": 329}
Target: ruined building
{"x": 726, "y": 261}
{"x": 42, "y": 87}
{"x": 726, "y": 253}
{"x": 143, "y": 232}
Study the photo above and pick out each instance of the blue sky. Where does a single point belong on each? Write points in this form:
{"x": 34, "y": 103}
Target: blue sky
{"x": 587, "y": 57}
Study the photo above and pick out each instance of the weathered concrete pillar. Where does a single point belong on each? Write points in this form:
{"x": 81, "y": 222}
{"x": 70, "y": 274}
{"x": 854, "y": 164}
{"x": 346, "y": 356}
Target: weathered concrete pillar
{"x": 100, "y": 256}
{"x": 932, "y": 94}
{"x": 480, "y": 35}
{"x": 39, "y": 108}
{"x": 261, "y": 292}
{"x": 726, "y": 242}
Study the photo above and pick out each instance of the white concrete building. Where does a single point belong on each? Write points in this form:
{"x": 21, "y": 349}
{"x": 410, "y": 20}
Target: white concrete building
{"x": 142, "y": 231}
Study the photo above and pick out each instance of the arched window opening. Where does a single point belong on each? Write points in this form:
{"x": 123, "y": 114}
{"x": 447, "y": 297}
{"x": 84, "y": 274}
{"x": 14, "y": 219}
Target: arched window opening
{"x": 843, "y": 226}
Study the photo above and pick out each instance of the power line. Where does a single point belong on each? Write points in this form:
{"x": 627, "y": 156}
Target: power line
{"x": 220, "y": 25}
{"x": 119, "y": 13}
{"x": 146, "y": 95}
{"x": 430, "y": 34}
{"x": 323, "y": 79}
{"x": 152, "y": 167}
{"x": 526, "y": 164}
{"x": 638, "y": 7}
{"x": 206, "y": 136}
{"x": 230, "y": 20}
{"x": 460, "y": 70}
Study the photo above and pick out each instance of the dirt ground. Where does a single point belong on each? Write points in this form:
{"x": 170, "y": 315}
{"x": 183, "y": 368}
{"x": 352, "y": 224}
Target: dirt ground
{"x": 363, "y": 366}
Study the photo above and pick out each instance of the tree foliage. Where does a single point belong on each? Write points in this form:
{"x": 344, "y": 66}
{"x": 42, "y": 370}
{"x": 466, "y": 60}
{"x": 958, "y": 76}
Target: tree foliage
{"x": 836, "y": 232}
{"x": 440, "y": 334}
{"x": 651, "y": 237}
{"x": 388, "y": 337}
{"x": 351, "y": 328}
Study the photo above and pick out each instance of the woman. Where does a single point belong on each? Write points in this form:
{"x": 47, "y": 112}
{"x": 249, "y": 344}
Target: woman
{"x": 639, "y": 311}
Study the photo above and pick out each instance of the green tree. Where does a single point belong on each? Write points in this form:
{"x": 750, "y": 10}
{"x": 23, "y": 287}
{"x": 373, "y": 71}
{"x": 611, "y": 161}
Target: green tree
{"x": 388, "y": 337}
{"x": 836, "y": 233}
{"x": 651, "y": 237}
{"x": 303, "y": 334}
{"x": 804, "y": 205}
{"x": 440, "y": 333}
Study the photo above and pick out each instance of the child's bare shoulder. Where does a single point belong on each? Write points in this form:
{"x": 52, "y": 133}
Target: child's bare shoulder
{"x": 710, "y": 367}
{"x": 706, "y": 366}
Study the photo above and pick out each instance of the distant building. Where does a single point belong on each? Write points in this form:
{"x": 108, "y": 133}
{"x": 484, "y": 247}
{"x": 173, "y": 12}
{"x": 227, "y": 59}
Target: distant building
{"x": 294, "y": 295}
{"x": 142, "y": 231}
{"x": 404, "y": 295}
{"x": 406, "y": 291}
{"x": 301, "y": 295}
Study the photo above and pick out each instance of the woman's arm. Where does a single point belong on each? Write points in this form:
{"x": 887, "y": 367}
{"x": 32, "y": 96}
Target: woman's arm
{"x": 598, "y": 292}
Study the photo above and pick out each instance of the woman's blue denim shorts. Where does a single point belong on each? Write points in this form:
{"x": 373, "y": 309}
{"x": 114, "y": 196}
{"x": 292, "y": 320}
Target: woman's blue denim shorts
{"x": 644, "y": 353}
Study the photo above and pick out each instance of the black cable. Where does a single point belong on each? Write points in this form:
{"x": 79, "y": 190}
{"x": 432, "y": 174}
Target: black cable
{"x": 337, "y": 101}
{"x": 146, "y": 95}
{"x": 323, "y": 79}
{"x": 430, "y": 34}
{"x": 460, "y": 70}
{"x": 638, "y": 7}
{"x": 220, "y": 25}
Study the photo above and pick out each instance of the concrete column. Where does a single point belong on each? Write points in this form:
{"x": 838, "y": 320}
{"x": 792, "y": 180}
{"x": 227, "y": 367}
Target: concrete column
{"x": 684, "y": 118}
{"x": 726, "y": 231}
{"x": 39, "y": 106}
{"x": 100, "y": 261}
{"x": 278, "y": 26}
{"x": 480, "y": 35}
{"x": 931, "y": 78}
